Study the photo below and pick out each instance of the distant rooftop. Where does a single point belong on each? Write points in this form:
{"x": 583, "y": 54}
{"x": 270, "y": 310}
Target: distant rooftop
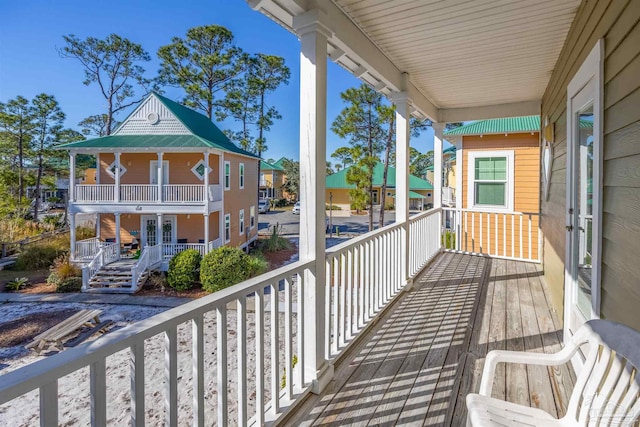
{"x": 498, "y": 126}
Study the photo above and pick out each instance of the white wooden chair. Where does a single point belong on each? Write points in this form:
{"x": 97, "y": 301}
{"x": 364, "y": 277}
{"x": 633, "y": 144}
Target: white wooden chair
{"x": 607, "y": 389}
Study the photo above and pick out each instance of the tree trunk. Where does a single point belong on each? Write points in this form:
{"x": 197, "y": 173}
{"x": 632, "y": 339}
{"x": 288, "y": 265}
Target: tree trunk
{"x": 38, "y": 181}
{"x": 387, "y": 155}
{"x": 370, "y": 148}
{"x": 109, "y": 116}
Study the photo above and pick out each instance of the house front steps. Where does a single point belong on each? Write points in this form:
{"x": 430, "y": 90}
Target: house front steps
{"x": 116, "y": 277}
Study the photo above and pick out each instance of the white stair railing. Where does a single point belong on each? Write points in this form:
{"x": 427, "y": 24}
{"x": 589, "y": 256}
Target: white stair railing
{"x": 215, "y": 193}
{"x": 86, "y": 249}
{"x": 275, "y": 301}
{"x": 509, "y": 235}
{"x": 139, "y": 268}
{"x": 107, "y": 253}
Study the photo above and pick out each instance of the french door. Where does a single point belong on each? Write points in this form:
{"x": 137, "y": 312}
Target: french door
{"x": 584, "y": 196}
{"x": 149, "y": 229}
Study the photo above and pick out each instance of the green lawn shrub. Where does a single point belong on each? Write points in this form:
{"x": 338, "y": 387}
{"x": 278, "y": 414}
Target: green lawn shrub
{"x": 183, "y": 269}
{"x": 70, "y": 284}
{"x": 224, "y": 267}
{"x": 37, "y": 257}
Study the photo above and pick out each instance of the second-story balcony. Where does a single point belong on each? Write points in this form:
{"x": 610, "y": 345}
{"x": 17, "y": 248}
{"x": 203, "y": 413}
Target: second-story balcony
{"x": 147, "y": 193}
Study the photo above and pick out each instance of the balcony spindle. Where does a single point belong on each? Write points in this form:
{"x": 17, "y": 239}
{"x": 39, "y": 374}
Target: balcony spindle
{"x": 222, "y": 366}
{"x": 136, "y": 369}
{"x": 98, "y": 391}
{"x": 197, "y": 359}
{"x": 49, "y": 404}
{"x": 241, "y": 313}
{"x": 288, "y": 339}
{"x": 275, "y": 348}
{"x": 171, "y": 376}
{"x": 343, "y": 289}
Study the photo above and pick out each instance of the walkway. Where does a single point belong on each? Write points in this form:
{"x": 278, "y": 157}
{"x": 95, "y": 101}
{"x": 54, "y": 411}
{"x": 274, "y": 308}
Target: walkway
{"x": 86, "y": 298}
{"x": 417, "y": 365}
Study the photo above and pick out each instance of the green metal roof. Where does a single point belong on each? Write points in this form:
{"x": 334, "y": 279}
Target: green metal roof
{"x": 270, "y": 166}
{"x": 339, "y": 179}
{"x": 497, "y": 126}
{"x": 414, "y": 195}
{"x": 280, "y": 162}
{"x": 205, "y": 134}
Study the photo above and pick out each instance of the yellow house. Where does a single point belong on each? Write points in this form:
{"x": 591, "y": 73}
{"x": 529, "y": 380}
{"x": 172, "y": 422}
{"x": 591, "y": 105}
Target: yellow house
{"x": 337, "y": 189}
{"x": 166, "y": 180}
{"x": 272, "y": 179}
{"x": 498, "y": 171}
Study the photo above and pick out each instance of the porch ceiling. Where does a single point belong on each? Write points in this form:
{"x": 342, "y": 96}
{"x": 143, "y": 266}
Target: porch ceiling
{"x": 468, "y": 59}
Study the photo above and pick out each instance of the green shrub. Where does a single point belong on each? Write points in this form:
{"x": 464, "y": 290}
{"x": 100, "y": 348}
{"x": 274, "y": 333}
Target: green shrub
{"x": 332, "y": 208}
{"x": 17, "y": 284}
{"x": 70, "y": 284}
{"x": 257, "y": 264}
{"x": 389, "y": 206}
{"x": 224, "y": 267}
{"x": 36, "y": 257}
{"x": 280, "y": 203}
{"x": 275, "y": 242}
{"x": 449, "y": 240}
{"x": 183, "y": 269}
{"x": 62, "y": 269}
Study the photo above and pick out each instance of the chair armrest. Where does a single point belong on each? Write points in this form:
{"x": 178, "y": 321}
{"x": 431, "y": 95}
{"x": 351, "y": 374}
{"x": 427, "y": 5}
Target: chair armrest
{"x": 498, "y": 356}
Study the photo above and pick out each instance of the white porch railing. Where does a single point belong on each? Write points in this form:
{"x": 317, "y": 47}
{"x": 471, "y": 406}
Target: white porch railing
{"x": 365, "y": 273}
{"x": 150, "y": 256}
{"x": 138, "y": 193}
{"x": 510, "y": 235}
{"x": 215, "y": 193}
{"x": 94, "y": 193}
{"x": 107, "y": 253}
{"x": 169, "y": 250}
{"x": 448, "y": 196}
{"x": 87, "y": 249}
{"x": 185, "y": 332}
{"x": 182, "y": 193}
{"x": 213, "y": 244}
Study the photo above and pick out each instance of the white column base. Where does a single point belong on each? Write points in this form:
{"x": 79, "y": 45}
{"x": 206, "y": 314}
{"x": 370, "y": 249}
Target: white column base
{"x": 323, "y": 377}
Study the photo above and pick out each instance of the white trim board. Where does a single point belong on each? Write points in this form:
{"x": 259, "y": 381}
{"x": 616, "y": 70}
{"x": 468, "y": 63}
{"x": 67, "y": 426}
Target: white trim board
{"x": 473, "y": 155}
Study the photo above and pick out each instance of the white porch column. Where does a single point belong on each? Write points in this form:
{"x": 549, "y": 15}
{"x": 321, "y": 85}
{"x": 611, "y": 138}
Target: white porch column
{"x": 403, "y": 116}
{"x": 206, "y": 178}
{"x": 158, "y": 229}
{"x": 117, "y": 215}
{"x": 206, "y": 233}
{"x": 98, "y": 168}
{"x": 98, "y": 226}
{"x": 313, "y": 31}
{"x": 160, "y": 177}
{"x": 116, "y": 190}
{"x": 438, "y": 128}
{"x": 72, "y": 177}
{"x": 72, "y": 234}
{"x": 459, "y": 172}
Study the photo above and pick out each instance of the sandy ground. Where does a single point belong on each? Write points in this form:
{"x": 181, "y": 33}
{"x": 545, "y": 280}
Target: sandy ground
{"x": 74, "y": 401}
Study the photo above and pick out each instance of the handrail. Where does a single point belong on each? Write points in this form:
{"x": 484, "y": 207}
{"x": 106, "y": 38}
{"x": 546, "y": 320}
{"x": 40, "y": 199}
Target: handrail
{"x": 140, "y": 266}
{"x": 45, "y": 373}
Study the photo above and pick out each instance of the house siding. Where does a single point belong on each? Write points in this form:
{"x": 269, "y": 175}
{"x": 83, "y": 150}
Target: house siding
{"x": 236, "y": 198}
{"x": 526, "y": 148}
{"x": 617, "y": 21}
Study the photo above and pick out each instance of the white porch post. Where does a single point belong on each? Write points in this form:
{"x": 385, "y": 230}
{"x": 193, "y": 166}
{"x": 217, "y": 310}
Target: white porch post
{"x": 98, "y": 168}
{"x": 206, "y": 176}
{"x": 98, "y": 226}
{"x": 206, "y": 233}
{"x": 72, "y": 234}
{"x": 117, "y": 215}
{"x": 160, "y": 177}
{"x": 438, "y": 128}
{"x": 313, "y": 31}
{"x": 158, "y": 229}
{"x": 459, "y": 172}
{"x": 116, "y": 190}
{"x": 72, "y": 176}
{"x": 403, "y": 115}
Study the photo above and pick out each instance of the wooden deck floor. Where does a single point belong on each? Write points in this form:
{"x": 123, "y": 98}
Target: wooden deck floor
{"x": 419, "y": 362}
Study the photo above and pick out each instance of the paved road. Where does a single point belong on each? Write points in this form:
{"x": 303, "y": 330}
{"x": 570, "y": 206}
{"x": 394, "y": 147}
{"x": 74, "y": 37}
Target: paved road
{"x": 290, "y": 223}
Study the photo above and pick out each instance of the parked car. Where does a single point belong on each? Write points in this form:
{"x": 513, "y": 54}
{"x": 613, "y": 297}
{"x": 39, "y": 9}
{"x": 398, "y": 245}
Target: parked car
{"x": 296, "y": 208}
{"x": 264, "y": 206}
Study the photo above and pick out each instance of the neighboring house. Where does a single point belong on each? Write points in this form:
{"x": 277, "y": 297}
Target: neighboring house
{"x": 51, "y": 196}
{"x": 498, "y": 171}
{"x": 448, "y": 176}
{"x": 337, "y": 187}
{"x": 271, "y": 180}
{"x": 167, "y": 178}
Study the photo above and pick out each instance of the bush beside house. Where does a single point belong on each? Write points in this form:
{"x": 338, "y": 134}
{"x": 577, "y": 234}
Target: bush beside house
{"x": 183, "y": 269}
{"x": 226, "y": 266}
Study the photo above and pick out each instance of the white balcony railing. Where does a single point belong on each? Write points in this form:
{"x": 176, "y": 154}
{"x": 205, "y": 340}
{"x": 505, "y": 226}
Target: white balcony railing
{"x": 510, "y": 235}
{"x": 448, "y": 196}
{"x": 148, "y": 193}
{"x": 94, "y": 193}
{"x": 138, "y": 193}
{"x": 86, "y": 249}
{"x": 169, "y": 250}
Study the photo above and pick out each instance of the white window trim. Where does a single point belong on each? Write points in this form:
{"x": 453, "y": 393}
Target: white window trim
{"x": 194, "y": 169}
{"x": 227, "y": 220}
{"x": 241, "y": 175}
{"x": 471, "y": 164}
{"x": 123, "y": 170}
{"x": 153, "y": 171}
{"x": 224, "y": 176}
{"x": 241, "y": 222}
{"x": 252, "y": 217}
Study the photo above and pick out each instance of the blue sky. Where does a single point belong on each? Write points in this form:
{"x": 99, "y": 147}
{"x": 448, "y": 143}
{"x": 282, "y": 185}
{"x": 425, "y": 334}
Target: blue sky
{"x": 32, "y": 32}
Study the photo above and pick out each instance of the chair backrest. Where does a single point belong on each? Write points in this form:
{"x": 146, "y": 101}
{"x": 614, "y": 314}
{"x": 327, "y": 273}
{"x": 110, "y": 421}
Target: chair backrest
{"x": 607, "y": 390}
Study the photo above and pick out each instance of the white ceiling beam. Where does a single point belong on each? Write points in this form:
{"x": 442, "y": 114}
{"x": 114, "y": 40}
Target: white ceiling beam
{"x": 515, "y": 109}
{"x": 353, "y": 42}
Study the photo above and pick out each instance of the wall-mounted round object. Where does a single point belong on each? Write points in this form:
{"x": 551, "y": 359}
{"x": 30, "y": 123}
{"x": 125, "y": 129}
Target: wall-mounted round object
{"x": 153, "y": 118}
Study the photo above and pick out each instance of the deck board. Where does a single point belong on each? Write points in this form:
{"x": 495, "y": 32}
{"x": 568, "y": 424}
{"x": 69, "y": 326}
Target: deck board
{"x": 416, "y": 366}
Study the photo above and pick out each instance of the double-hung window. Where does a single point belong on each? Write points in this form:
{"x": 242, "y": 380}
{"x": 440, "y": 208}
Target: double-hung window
{"x": 227, "y": 175}
{"x": 491, "y": 179}
{"x": 227, "y": 228}
{"x": 241, "y": 173}
{"x": 241, "y": 227}
{"x": 252, "y": 217}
